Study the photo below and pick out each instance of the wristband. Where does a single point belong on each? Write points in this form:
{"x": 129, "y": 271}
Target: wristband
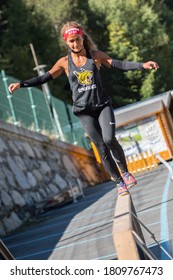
{"x": 36, "y": 81}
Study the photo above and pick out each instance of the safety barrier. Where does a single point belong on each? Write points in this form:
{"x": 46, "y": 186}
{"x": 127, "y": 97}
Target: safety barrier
{"x": 38, "y": 111}
{"x": 127, "y": 234}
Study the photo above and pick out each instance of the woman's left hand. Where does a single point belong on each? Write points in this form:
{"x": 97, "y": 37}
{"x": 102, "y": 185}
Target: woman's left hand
{"x": 150, "y": 65}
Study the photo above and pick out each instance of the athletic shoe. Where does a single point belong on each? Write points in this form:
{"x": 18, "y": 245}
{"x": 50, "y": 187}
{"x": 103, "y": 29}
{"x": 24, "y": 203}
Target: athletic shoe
{"x": 129, "y": 180}
{"x": 122, "y": 189}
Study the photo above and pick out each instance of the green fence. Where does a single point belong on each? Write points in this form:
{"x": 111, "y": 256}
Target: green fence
{"x": 38, "y": 111}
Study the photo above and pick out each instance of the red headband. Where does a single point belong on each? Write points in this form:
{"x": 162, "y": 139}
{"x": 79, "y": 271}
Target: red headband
{"x": 72, "y": 31}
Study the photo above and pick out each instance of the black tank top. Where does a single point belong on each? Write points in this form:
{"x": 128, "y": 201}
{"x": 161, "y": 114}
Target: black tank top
{"x": 87, "y": 91}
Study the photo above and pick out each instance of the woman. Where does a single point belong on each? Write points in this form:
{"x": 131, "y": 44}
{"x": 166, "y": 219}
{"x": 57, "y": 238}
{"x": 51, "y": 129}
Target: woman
{"x": 90, "y": 103}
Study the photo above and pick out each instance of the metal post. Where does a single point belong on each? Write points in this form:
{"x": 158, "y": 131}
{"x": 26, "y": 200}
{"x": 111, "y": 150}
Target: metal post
{"x": 33, "y": 106}
{"x": 54, "y": 116}
{"x": 80, "y": 187}
{"x": 73, "y": 194}
{"x": 9, "y": 97}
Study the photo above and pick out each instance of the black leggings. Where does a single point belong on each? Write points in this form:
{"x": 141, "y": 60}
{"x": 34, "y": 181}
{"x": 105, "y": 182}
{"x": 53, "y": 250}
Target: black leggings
{"x": 100, "y": 127}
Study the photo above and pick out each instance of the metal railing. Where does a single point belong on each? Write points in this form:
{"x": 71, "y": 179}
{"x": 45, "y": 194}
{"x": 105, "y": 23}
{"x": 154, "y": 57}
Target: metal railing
{"x": 6, "y": 254}
{"x": 127, "y": 234}
{"x": 151, "y": 235}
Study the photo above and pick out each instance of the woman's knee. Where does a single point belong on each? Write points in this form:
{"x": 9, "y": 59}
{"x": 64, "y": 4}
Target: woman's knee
{"x": 110, "y": 141}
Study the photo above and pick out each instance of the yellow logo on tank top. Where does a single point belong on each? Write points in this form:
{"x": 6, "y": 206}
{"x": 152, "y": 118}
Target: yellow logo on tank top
{"x": 85, "y": 77}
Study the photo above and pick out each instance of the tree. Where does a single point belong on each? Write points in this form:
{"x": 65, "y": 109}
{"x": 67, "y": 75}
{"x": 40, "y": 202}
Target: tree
{"x": 135, "y": 30}
{"x": 137, "y": 39}
{"x": 24, "y": 26}
{"x": 164, "y": 53}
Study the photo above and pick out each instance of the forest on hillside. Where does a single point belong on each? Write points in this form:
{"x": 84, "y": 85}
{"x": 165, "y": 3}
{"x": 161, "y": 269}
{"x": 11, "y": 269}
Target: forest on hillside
{"x": 134, "y": 30}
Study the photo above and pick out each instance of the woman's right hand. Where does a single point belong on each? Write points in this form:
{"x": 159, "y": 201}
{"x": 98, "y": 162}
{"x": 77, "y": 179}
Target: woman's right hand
{"x": 12, "y": 87}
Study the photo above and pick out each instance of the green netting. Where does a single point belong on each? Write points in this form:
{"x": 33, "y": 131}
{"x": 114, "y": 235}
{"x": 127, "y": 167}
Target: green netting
{"x": 31, "y": 108}
{"x": 40, "y": 110}
{"x": 5, "y": 109}
{"x": 79, "y": 134}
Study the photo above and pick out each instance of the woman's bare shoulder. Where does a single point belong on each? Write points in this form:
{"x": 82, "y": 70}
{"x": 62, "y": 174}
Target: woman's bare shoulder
{"x": 60, "y": 66}
{"x": 63, "y": 60}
